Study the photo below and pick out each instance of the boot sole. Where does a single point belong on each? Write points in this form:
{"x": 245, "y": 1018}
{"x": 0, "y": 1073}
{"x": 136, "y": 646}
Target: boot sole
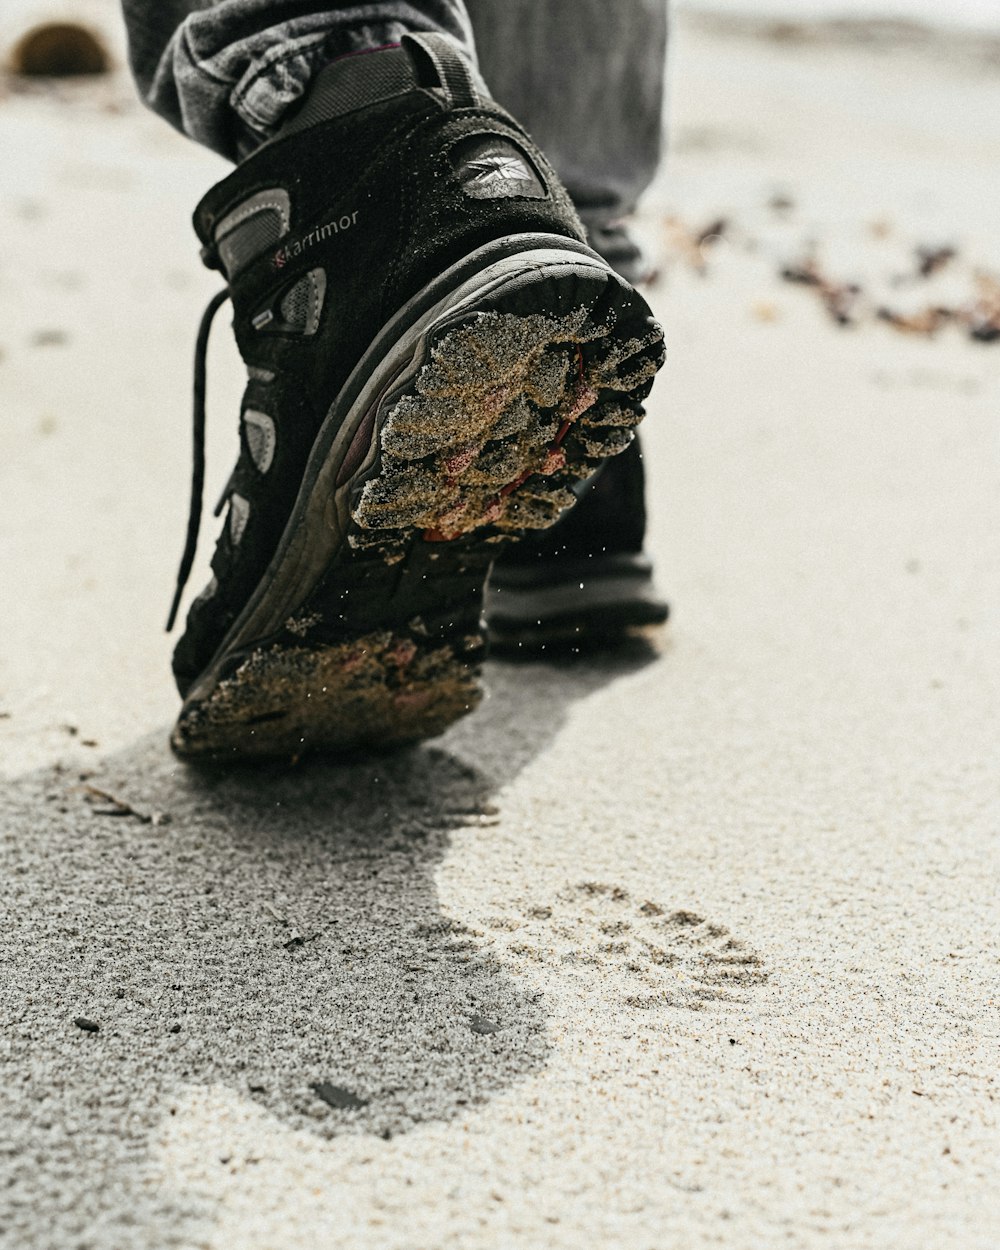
{"x": 507, "y": 379}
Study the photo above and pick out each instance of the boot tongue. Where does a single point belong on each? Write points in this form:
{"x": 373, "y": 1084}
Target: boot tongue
{"x": 353, "y": 82}
{"x": 430, "y": 62}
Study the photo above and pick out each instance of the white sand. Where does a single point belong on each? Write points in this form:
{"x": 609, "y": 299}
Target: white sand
{"x": 506, "y": 959}
{"x": 968, "y": 14}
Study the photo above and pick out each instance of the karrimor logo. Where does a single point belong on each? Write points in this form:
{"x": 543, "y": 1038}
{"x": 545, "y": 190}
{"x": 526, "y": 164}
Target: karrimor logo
{"x": 284, "y": 254}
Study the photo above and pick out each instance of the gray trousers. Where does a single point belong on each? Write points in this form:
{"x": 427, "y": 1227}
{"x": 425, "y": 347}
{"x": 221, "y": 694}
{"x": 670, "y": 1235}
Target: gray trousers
{"x": 585, "y": 77}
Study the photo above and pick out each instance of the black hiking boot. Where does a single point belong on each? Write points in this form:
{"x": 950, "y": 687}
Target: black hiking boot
{"x": 435, "y": 359}
{"x": 586, "y": 582}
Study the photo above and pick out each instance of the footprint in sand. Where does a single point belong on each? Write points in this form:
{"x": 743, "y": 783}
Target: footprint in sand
{"x": 640, "y": 952}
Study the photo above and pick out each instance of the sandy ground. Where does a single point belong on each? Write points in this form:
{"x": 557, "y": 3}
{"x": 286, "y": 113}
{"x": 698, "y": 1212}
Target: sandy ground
{"x": 686, "y": 951}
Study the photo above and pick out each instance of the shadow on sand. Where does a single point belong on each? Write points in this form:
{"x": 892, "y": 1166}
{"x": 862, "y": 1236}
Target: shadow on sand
{"x": 281, "y": 931}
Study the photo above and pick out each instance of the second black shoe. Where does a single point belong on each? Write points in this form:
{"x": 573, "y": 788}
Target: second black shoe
{"x": 435, "y": 359}
{"x": 586, "y": 582}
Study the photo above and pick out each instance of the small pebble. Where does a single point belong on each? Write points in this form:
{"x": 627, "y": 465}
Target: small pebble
{"x": 337, "y": 1096}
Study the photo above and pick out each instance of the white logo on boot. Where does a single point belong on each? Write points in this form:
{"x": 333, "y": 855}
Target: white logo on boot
{"x": 499, "y": 170}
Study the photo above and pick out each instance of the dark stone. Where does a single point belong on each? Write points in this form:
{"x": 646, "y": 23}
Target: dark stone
{"x": 336, "y": 1096}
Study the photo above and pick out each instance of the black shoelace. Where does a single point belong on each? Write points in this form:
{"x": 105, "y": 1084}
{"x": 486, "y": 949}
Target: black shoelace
{"x": 198, "y": 466}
